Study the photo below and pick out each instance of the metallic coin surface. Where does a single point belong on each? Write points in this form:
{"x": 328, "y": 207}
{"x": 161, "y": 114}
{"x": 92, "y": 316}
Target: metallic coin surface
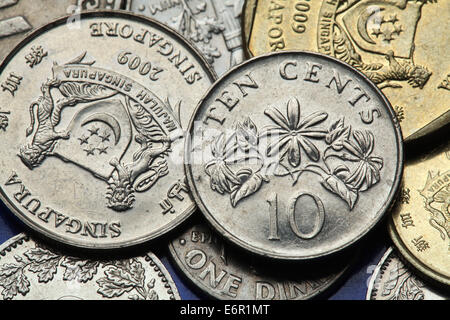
{"x": 223, "y": 273}
{"x": 400, "y": 45}
{"x": 294, "y": 155}
{"x": 30, "y": 270}
{"x": 420, "y": 222}
{"x": 392, "y": 280}
{"x": 17, "y": 17}
{"x": 213, "y": 26}
{"x": 92, "y": 136}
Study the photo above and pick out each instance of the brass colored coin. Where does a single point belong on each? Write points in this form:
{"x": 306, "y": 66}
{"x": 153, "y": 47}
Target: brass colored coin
{"x": 402, "y": 46}
{"x": 420, "y": 223}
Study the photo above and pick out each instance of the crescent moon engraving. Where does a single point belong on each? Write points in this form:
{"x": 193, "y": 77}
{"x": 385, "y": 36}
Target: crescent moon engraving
{"x": 364, "y": 19}
{"x": 106, "y": 119}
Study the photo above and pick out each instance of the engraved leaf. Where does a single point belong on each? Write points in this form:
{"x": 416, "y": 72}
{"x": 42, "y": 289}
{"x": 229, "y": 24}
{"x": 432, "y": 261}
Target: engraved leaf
{"x": 110, "y": 289}
{"x": 13, "y": 281}
{"x": 78, "y": 269}
{"x": 137, "y": 271}
{"x": 22, "y": 284}
{"x": 39, "y": 255}
{"x": 120, "y": 277}
{"x": 409, "y": 288}
{"x": 7, "y": 269}
{"x": 253, "y": 182}
{"x": 45, "y": 270}
{"x": 337, "y": 186}
{"x": 337, "y": 134}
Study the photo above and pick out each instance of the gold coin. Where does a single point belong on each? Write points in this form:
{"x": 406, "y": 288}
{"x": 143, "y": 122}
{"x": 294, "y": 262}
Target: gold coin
{"x": 401, "y": 45}
{"x": 420, "y": 222}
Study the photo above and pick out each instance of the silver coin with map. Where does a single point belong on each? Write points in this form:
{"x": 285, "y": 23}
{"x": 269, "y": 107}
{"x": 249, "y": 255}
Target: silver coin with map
{"x": 92, "y": 136}
{"x": 294, "y": 155}
{"x": 221, "y": 271}
{"x": 30, "y": 270}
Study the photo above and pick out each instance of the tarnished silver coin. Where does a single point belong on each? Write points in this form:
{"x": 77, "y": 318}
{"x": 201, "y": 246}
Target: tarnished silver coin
{"x": 213, "y": 26}
{"x": 392, "y": 280}
{"x": 224, "y": 273}
{"x": 30, "y": 270}
{"x": 17, "y": 17}
{"x": 294, "y": 155}
{"x": 92, "y": 136}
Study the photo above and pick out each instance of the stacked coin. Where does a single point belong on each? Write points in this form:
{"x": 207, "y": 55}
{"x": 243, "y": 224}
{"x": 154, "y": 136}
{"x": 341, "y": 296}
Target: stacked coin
{"x": 245, "y": 137}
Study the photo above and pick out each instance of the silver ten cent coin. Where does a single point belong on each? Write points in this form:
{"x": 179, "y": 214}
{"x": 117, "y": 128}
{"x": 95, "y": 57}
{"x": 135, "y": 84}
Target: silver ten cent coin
{"x": 29, "y": 270}
{"x": 92, "y": 136}
{"x": 225, "y": 273}
{"x": 392, "y": 280}
{"x": 294, "y": 155}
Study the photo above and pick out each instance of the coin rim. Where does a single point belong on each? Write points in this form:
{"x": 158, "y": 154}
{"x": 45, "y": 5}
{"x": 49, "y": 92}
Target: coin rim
{"x": 415, "y": 263}
{"x": 127, "y": 15}
{"x": 247, "y": 19}
{"x": 371, "y": 289}
{"x": 270, "y": 254}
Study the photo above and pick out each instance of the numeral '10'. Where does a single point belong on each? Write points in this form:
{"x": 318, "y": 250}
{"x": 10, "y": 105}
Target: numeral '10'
{"x": 273, "y": 218}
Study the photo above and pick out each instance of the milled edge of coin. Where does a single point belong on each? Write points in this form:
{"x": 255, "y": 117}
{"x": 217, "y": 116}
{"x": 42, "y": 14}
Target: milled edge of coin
{"x": 149, "y": 257}
{"x": 166, "y": 278}
{"x": 204, "y": 289}
{"x": 412, "y": 261}
{"x": 12, "y": 243}
{"x": 372, "y": 289}
{"x": 388, "y": 204}
{"x": 209, "y": 71}
{"x": 247, "y": 17}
